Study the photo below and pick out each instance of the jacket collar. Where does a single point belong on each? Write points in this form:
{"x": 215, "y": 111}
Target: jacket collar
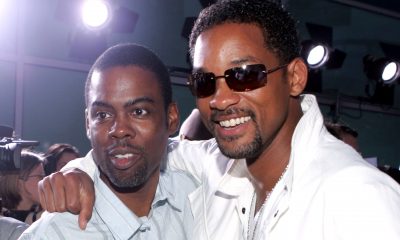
{"x": 305, "y": 137}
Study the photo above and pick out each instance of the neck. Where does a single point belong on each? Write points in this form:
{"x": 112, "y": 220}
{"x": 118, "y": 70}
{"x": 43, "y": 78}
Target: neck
{"x": 268, "y": 168}
{"x": 138, "y": 199}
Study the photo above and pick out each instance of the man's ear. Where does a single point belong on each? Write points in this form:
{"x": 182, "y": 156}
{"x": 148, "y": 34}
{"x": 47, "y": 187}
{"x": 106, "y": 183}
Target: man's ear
{"x": 173, "y": 118}
{"x": 297, "y": 75}
{"x": 87, "y": 123}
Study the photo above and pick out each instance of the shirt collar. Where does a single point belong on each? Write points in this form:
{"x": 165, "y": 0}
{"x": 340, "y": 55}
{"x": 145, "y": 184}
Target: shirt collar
{"x": 236, "y": 180}
{"x": 305, "y": 137}
{"x": 121, "y": 221}
{"x": 307, "y": 134}
{"x": 164, "y": 193}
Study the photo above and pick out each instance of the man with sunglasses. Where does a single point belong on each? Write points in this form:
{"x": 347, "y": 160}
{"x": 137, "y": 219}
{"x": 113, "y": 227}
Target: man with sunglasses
{"x": 281, "y": 175}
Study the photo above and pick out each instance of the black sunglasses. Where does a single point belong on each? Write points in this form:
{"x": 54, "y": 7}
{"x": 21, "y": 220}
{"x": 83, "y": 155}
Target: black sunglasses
{"x": 240, "y": 79}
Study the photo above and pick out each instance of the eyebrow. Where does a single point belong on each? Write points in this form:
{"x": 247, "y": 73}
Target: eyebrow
{"x": 127, "y": 104}
{"x": 138, "y": 100}
{"x": 241, "y": 61}
{"x": 100, "y": 104}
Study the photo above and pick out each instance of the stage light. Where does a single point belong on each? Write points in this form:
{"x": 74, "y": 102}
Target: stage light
{"x": 95, "y": 13}
{"x": 383, "y": 70}
{"x": 318, "y": 51}
{"x": 382, "y": 73}
{"x": 95, "y": 21}
{"x": 315, "y": 54}
{"x": 390, "y": 72}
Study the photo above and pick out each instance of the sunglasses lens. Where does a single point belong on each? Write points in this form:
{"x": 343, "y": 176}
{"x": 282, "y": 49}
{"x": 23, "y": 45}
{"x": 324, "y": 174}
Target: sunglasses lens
{"x": 239, "y": 79}
{"x": 246, "y": 78}
{"x": 202, "y": 84}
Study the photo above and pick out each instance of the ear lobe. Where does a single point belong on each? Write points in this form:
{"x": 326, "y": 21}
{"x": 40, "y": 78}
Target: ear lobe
{"x": 173, "y": 118}
{"x": 298, "y": 73}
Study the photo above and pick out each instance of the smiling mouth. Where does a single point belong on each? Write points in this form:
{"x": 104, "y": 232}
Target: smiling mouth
{"x": 234, "y": 122}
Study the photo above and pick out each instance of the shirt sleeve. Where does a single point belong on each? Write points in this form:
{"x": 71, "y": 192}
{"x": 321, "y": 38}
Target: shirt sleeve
{"x": 41, "y": 230}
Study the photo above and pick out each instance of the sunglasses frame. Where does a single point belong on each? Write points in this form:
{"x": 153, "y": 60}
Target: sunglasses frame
{"x": 231, "y": 79}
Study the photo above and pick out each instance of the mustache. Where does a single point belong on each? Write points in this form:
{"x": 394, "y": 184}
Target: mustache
{"x": 123, "y": 143}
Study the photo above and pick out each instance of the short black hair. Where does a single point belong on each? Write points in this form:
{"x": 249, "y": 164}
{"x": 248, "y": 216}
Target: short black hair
{"x": 128, "y": 54}
{"x": 278, "y": 26}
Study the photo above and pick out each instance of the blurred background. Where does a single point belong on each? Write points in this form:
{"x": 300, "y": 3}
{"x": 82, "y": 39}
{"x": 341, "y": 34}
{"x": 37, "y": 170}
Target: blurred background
{"x": 46, "y": 50}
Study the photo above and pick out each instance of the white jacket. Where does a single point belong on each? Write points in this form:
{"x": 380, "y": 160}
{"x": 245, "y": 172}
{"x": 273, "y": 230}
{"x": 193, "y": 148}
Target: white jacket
{"x": 328, "y": 192}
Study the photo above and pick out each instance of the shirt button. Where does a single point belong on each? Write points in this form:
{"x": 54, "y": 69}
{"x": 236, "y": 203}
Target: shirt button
{"x": 144, "y": 228}
{"x": 276, "y": 213}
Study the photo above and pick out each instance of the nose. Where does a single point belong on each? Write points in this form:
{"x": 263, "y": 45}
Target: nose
{"x": 223, "y": 97}
{"x": 121, "y": 128}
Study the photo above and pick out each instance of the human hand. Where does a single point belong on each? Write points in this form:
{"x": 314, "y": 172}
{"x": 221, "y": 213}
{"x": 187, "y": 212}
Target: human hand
{"x": 72, "y": 191}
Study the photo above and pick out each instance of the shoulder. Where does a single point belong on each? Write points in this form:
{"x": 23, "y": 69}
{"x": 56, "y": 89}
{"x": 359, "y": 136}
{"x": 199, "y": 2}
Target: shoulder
{"x": 344, "y": 172}
{"x": 336, "y": 167}
{"x": 52, "y": 226}
{"x": 11, "y": 228}
{"x": 60, "y": 226}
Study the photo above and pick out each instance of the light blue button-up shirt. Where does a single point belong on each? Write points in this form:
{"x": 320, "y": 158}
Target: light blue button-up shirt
{"x": 170, "y": 216}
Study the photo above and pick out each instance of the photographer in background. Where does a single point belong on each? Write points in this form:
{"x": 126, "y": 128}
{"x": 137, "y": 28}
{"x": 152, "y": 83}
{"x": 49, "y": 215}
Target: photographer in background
{"x": 58, "y": 155}
{"x": 18, "y": 188}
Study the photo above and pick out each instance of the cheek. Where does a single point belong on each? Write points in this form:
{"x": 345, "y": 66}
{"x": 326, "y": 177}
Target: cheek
{"x": 32, "y": 187}
{"x": 203, "y": 106}
{"x": 98, "y": 135}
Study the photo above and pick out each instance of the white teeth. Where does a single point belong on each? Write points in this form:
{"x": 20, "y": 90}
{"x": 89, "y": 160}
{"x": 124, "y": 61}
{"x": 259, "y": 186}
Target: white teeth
{"x": 234, "y": 121}
{"x": 127, "y": 155}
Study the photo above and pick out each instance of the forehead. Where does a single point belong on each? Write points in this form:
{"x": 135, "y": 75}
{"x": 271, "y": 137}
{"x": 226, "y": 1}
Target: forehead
{"x": 123, "y": 82}
{"x": 231, "y": 44}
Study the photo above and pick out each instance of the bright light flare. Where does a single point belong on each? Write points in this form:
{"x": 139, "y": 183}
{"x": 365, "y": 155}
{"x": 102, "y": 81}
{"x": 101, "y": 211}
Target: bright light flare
{"x": 95, "y": 13}
{"x": 390, "y": 72}
{"x": 317, "y": 56}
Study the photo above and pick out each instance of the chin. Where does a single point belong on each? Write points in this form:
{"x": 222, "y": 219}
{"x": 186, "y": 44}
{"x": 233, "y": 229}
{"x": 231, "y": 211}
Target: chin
{"x": 239, "y": 149}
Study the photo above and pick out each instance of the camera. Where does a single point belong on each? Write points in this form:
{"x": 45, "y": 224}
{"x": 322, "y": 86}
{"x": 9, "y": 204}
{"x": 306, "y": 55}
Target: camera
{"x": 10, "y": 151}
